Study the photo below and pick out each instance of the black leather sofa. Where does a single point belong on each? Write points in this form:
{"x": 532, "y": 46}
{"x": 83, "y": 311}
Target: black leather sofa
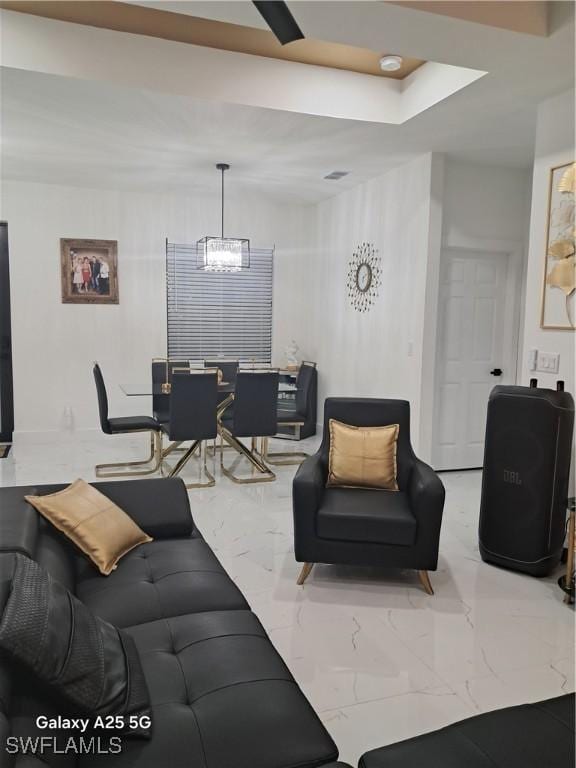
{"x": 221, "y": 696}
{"x": 539, "y": 735}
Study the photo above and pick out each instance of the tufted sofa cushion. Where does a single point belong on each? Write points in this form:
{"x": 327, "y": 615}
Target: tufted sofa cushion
{"x": 167, "y": 577}
{"x": 539, "y": 735}
{"x": 221, "y": 697}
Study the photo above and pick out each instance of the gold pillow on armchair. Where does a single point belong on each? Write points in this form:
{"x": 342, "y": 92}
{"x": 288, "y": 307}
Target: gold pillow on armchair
{"x": 362, "y": 457}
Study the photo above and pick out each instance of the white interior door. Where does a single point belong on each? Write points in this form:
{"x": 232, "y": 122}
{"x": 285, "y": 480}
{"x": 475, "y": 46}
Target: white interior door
{"x": 476, "y": 338}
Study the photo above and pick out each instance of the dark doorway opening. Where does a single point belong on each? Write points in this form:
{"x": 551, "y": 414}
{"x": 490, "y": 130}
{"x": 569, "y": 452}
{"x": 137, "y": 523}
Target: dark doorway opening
{"x": 6, "y": 386}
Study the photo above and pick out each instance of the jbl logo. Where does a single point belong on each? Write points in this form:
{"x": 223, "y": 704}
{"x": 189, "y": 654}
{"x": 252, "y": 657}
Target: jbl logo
{"x": 512, "y": 477}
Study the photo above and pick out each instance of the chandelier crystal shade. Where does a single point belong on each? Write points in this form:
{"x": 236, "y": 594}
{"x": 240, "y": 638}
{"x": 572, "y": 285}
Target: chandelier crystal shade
{"x": 223, "y": 254}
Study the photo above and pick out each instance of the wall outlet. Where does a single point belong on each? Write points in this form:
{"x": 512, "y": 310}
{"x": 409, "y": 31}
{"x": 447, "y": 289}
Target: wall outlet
{"x": 548, "y": 362}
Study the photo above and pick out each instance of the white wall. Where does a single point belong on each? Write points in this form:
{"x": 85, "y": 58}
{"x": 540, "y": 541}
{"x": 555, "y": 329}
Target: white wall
{"x": 488, "y": 208}
{"x": 409, "y": 214}
{"x": 54, "y": 344}
{"x": 554, "y": 146}
{"x": 377, "y": 353}
{"x": 484, "y": 202}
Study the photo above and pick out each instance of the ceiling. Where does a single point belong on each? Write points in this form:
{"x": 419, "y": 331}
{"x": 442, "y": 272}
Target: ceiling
{"x": 520, "y": 15}
{"x": 60, "y": 130}
{"x": 213, "y": 33}
{"x": 89, "y": 133}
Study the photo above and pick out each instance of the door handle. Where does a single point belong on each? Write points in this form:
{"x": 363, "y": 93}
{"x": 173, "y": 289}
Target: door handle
{"x": 496, "y": 372}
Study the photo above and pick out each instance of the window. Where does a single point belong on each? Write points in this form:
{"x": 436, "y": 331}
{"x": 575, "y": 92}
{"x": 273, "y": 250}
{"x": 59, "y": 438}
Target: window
{"x": 219, "y": 314}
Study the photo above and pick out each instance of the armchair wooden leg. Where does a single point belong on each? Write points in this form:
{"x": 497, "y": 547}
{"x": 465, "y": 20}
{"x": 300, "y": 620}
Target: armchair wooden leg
{"x": 304, "y": 573}
{"x": 425, "y": 581}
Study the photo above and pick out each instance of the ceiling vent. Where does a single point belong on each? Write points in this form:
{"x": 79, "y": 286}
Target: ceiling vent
{"x": 336, "y": 175}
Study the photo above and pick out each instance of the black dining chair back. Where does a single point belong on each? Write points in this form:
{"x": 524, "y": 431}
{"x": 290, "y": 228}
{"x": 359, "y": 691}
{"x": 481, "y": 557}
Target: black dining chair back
{"x": 229, "y": 368}
{"x": 255, "y": 404}
{"x": 162, "y": 372}
{"x": 192, "y": 412}
{"x": 102, "y": 400}
{"x": 304, "y": 386}
{"x": 297, "y": 415}
{"x": 160, "y": 401}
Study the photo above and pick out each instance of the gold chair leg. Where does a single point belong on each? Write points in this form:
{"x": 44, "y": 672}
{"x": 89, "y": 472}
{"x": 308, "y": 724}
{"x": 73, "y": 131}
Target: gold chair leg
{"x": 135, "y": 468}
{"x": 425, "y": 581}
{"x": 174, "y": 447}
{"x": 170, "y": 471}
{"x": 285, "y": 435}
{"x": 267, "y": 475}
{"x": 304, "y": 573}
{"x": 281, "y": 458}
{"x": 214, "y": 448}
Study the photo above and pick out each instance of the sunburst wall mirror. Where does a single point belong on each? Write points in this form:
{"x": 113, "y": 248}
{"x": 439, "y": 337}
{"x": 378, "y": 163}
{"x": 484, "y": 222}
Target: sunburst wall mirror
{"x": 364, "y": 277}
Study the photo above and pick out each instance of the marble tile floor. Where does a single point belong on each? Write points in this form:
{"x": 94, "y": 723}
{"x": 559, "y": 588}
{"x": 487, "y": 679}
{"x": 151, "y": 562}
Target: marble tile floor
{"x": 378, "y": 658}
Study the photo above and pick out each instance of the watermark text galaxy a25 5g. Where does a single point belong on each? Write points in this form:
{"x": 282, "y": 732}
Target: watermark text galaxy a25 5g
{"x": 82, "y": 740}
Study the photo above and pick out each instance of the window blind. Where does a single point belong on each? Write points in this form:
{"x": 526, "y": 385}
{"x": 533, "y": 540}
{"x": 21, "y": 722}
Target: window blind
{"x": 218, "y": 314}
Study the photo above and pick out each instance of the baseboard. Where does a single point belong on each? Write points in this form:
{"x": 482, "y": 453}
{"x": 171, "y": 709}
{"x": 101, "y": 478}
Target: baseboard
{"x": 51, "y": 436}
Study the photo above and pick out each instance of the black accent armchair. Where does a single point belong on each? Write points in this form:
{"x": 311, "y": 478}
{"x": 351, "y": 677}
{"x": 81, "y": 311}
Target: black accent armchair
{"x": 359, "y": 526}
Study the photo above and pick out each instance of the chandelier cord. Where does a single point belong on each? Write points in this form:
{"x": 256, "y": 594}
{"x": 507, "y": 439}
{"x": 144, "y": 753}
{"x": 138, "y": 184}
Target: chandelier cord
{"x": 222, "y": 171}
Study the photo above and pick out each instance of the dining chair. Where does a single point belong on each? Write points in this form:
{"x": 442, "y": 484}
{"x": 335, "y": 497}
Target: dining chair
{"x": 192, "y": 417}
{"x": 229, "y": 368}
{"x": 125, "y": 425}
{"x": 253, "y": 414}
{"x": 162, "y": 371}
{"x": 299, "y": 413}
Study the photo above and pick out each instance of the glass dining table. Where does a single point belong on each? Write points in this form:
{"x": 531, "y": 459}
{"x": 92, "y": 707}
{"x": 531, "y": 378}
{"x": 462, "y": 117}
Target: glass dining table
{"x": 148, "y": 390}
{"x": 151, "y": 389}
{"x": 159, "y": 389}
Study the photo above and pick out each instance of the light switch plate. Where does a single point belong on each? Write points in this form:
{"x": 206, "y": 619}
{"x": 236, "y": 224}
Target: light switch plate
{"x": 548, "y": 362}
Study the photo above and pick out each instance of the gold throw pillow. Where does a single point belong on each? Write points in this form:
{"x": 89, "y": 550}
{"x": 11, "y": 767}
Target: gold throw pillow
{"x": 362, "y": 457}
{"x": 96, "y": 525}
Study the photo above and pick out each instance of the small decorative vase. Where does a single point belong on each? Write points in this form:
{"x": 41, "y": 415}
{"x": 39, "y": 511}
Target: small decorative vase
{"x": 291, "y": 355}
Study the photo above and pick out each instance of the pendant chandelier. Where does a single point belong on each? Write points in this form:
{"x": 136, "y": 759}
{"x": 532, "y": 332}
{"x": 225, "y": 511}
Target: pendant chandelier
{"x": 223, "y": 254}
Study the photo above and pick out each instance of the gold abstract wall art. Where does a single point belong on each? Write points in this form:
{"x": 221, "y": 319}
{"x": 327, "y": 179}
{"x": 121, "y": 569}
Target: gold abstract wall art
{"x": 559, "y": 289}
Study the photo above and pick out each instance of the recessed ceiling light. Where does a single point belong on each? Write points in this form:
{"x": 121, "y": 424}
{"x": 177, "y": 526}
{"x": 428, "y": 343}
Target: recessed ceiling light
{"x": 390, "y": 63}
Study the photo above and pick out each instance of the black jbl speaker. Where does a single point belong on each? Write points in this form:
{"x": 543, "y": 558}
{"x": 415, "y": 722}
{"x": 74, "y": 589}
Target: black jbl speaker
{"x": 525, "y": 479}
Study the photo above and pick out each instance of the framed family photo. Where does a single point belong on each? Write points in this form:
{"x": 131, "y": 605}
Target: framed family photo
{"x": 89, "y": 271}
{"x": 559, "y": 285}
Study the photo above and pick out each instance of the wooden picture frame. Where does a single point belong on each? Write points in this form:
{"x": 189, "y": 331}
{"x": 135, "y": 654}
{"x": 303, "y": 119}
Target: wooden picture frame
{"x": 558, "y": 310}
{"x": 89, "y": 271}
